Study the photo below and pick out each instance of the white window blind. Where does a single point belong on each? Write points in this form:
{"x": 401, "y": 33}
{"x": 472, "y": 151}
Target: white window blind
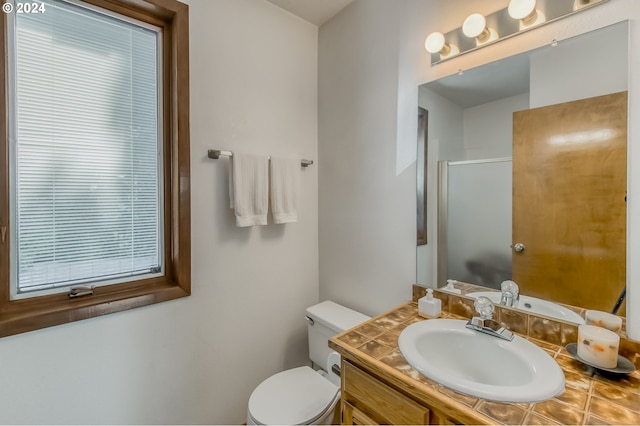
{"x": 86, "y": 148}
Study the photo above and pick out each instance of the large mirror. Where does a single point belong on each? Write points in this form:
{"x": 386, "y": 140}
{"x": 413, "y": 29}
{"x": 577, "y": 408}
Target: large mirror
{"x": 498, "y": 218}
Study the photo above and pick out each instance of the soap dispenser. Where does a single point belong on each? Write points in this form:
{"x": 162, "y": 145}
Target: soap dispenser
{"x": 429, "y": 306}
{"x": 451, "y": 288}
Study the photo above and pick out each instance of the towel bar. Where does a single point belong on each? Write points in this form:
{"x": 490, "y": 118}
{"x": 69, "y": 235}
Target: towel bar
{"x": 216, "y": 153}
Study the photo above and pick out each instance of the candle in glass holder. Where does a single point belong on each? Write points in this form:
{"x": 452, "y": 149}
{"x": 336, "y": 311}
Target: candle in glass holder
{"x": 603, "y": 319}
{"x": 598, "y": 346}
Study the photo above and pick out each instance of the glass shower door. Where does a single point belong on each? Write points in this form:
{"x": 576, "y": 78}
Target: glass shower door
{"x": 477, "y": 212}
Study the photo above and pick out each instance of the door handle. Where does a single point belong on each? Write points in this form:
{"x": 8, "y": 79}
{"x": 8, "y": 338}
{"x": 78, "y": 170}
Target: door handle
{"x": 519, "y": 247}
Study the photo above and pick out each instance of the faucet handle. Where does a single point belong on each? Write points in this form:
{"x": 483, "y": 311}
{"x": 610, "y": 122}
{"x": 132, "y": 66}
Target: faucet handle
{"x": 484, "y": 307}
{"x": 510, "y": 286}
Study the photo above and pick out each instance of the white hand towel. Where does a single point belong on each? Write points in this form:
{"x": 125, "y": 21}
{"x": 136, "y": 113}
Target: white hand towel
{"x": 249, "y": 188}
{"x": 285, "y": 188}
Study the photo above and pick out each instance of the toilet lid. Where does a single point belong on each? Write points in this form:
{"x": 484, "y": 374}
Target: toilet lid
{"x": 296, "y": 396}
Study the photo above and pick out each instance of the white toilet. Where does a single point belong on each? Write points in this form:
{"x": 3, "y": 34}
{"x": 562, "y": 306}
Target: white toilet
{"x": 302, "y": 395}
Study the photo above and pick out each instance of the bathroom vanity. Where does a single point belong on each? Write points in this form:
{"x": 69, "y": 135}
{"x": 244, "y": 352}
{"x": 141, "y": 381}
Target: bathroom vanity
{"x": 380, "y": 387}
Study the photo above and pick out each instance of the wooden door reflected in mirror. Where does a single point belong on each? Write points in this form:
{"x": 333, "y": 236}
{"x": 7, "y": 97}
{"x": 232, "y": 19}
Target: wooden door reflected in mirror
{"x": 421, "y": 164}
{"x": 569, "y": 201}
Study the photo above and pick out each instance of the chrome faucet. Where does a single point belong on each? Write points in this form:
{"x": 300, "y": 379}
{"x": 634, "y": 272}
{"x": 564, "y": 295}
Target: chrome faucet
{"x": 485, "y": 322}
{"x": 510, "y": 294}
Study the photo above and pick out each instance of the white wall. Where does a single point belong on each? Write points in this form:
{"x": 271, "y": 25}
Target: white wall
{"x": 367, "y": 40}
{"x": 488, "y": 127}
{"x": 594, "y": 66}
{"x": 367, "y": 243}
{"x": 369, "y": 73}
{"x": 196, "y": 360}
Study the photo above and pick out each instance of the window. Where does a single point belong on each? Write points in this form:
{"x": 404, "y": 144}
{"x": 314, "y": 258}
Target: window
{"x": 95, "y": 181}
{"x": 84, "y": 148}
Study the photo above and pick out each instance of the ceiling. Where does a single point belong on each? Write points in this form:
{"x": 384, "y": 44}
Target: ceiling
{"x": 497, "y": 80}
{"x": 315, "y": 11}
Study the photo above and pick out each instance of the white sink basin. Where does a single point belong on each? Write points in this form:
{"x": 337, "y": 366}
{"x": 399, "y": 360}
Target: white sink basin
{"x": 534, "y": 306}
{"x": 480, "y": 365}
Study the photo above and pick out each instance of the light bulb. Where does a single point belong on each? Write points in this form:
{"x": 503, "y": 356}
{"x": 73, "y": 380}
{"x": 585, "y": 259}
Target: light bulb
{"x": 521, "y": 9}
{"x": 434, "y": 42}
{"x": 474, "y": 25}
{"x": 525, "y": 11}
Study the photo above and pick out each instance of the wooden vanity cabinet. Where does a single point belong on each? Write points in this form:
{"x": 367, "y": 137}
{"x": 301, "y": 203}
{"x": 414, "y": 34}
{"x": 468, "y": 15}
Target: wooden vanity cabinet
{"x": 366, "y": 399}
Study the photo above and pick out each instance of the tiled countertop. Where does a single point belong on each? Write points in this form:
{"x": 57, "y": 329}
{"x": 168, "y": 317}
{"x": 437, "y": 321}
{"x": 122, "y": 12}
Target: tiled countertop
{"x": 588, "y": 399}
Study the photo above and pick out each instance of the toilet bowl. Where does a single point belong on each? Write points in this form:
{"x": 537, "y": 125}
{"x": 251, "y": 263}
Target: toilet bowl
{"x": 299, "y": 396}
{"x": 303, "y": 395}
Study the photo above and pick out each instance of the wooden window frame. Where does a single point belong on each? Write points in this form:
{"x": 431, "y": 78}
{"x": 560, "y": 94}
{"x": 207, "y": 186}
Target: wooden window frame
{"x": 19, "y": 316}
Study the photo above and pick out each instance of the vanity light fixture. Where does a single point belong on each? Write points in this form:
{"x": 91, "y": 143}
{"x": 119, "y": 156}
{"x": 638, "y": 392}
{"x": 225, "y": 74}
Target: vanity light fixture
{"x": 475, "y": 26}
{"x": 480, "y": 30}
{"x": 525, "y": 11}
{"x": 435, "y": 44}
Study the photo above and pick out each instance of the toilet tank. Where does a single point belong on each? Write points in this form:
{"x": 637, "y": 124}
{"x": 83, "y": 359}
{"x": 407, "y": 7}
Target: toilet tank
{"x": 327, "y": 319}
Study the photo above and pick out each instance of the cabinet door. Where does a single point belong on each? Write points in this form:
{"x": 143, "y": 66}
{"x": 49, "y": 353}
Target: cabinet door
{"x": 352, "y": 416}
{"x": 367, "y": 399}
{"x": 441, "y": 419}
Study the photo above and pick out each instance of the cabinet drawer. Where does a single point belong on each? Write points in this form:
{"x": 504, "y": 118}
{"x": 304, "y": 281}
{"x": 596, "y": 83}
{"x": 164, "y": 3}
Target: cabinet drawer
{"x": 379, "y": 401}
